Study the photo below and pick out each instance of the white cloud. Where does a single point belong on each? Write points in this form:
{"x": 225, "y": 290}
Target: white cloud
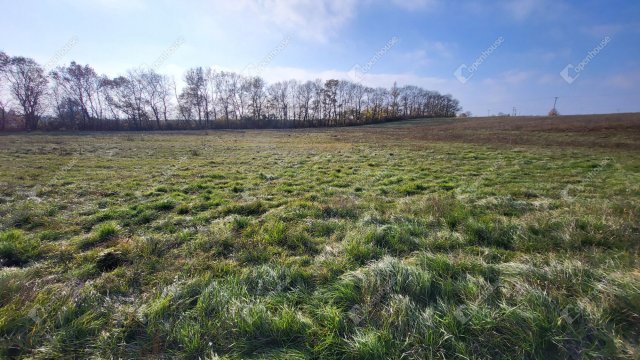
{"x": 316, "y": 20}
{"x": 602, "y": 30}
{"x": 548, "y": 56}
{"x": 624, "y": 81}
{"x": 414, "y": 5}
{"x": 427, "y": 54}
{"x": 418, "y": 57}
{"x": 510, "y": 78}
{"x": 550, "y": 79}
{"x": 278, "y": 73}
{"x": 114, "y": 5}
{"x": 521, "y": 9}
{"x": 441, "y": 49}
{"x": 311, "y": 19}
{"x": 517, "y": 77}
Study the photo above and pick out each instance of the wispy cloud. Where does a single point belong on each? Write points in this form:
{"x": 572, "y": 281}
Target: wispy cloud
{"x": 510, "y": 78}
{"x": 112, "y": 5}
{"x": 416, "y": 58}
{"x": 276, "y": 73}
{"x": 624, "y": 81}
{"x": 521, "y": 10}
{"x": 310, "y": 19}
{"x": 441, "y": 49}
{"x": 427, "y": 54}
{"x": 602, "y": 30}
{"x": 413, "y": 5}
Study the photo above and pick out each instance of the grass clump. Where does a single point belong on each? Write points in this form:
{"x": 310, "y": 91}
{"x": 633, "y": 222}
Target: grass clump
{"x": 371, "y": 344}
{"x": 397, "y": 239}
{"x": 16, "y": 249}
{"x": 102, "y": 233}
{"x": 266, "y": 279}
{"x": 492, "y": 233}
{"x": 278, "y": 233}
{"x": 164, "y": 205}
{"x": 247, "y": 209}
{"x": 358, "y": 246}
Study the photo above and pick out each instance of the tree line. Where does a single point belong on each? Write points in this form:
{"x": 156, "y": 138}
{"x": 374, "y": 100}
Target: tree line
{"x": 75, "y": 97}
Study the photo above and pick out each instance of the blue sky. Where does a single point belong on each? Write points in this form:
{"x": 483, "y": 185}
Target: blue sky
{"x": 520, "y": 47}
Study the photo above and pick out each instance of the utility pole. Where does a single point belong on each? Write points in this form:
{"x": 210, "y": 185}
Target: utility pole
{"x": 554, "y": 111}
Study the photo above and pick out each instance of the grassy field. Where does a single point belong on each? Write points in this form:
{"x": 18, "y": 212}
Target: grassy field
{"x": 470, "y": 239}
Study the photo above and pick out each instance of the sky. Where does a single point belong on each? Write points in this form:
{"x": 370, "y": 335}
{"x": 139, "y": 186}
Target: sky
{"x": 492, "y": 55}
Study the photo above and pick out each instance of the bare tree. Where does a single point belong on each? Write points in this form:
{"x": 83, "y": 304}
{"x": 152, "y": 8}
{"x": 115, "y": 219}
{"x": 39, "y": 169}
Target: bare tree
{"x": 4, "y": 109}
{"x": 4, "y": 104}
{"x": 317, "y": 104}
{"x": 194, "y": 95}
{"x": 237, "y": 88}
{"x": 257, "y": 95}
{"x": 330, "y": 100}
{"x": 127, "y": 95}
{"x": 223, "y": 90}
{"x": 156, "y": 92}
{"x": 292, "y": 101}
{"x": 278, "y": 101}
{"x": 395, "y": 95}
{"x": 359, "y": 94}
{"x": 4, "y": 63}
{"x": 28, "y": 85}
{"x": 77, "y": 85}
{"x": 211, "y": 92}
{"x": 4, "y": 60}
{"x": 184, "y": 111}
{"x": 305, "y": 96}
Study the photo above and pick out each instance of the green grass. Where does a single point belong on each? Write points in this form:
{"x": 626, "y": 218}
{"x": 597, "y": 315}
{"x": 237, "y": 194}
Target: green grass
{"x": 16, "y": 249}
{"x": 102, "y": 233}
{"x": 342, "y": 243}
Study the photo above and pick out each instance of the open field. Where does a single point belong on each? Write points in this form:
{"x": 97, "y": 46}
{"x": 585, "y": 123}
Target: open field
{"x": 470, "y": 239}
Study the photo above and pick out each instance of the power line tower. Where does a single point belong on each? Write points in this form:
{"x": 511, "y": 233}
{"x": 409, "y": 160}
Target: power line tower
{"x": 515, "y": 111}
{"x": 554, "y": 111}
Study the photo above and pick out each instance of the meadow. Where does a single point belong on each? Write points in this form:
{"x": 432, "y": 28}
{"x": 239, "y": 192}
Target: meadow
{"x": 428, "y": 239}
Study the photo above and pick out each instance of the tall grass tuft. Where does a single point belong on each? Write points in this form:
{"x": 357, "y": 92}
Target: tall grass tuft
{"x": 18, "y": 249}
{"x": 103, "y": 232}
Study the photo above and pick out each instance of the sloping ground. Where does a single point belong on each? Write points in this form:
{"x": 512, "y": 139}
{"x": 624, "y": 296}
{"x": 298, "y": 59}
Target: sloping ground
{"x": 605, "y": 131}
